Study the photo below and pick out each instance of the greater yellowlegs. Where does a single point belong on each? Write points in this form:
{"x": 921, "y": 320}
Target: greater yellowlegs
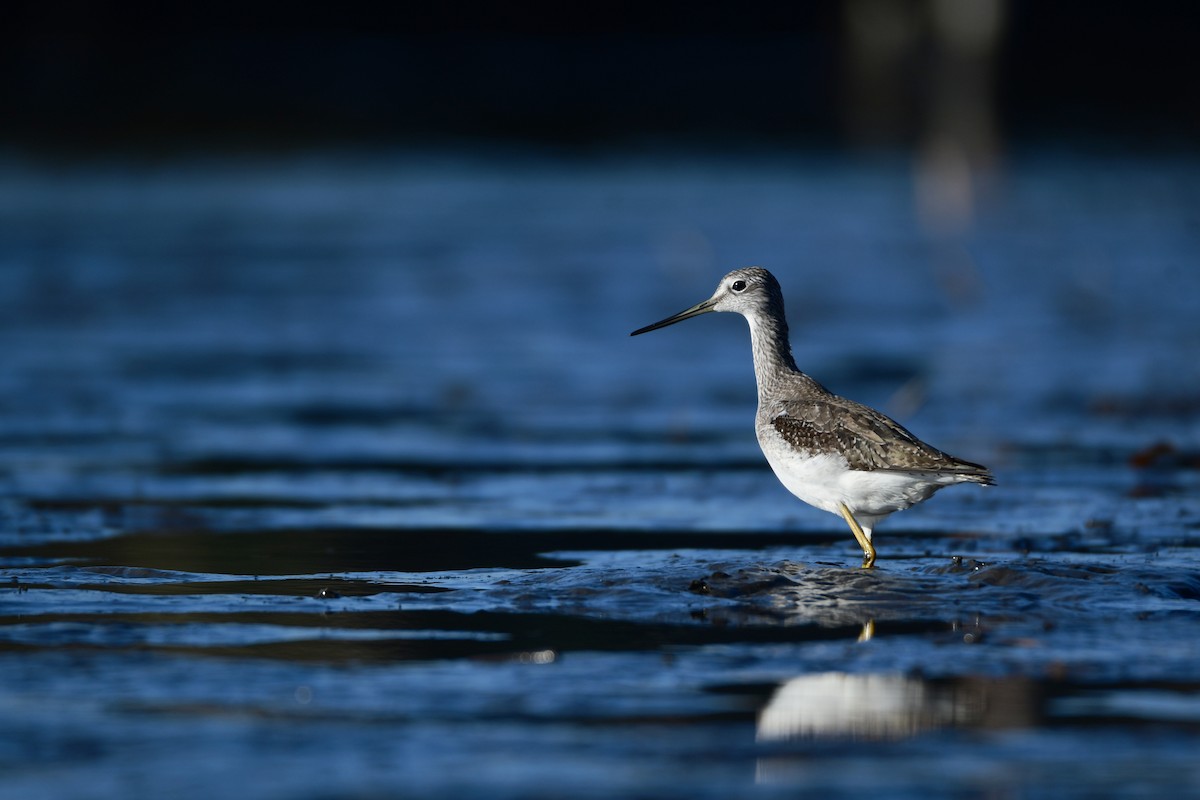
{"x": 832, "y": 453}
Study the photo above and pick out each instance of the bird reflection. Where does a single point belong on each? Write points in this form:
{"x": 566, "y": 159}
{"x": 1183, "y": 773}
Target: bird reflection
{"x": 885, "y": 707}
{"x": 838, "y": 705}
{"x": 881, "y": 707}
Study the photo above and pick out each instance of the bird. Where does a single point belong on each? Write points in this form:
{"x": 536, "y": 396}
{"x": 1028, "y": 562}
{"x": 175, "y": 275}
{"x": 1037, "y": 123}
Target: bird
{"x": 833, "y": 453}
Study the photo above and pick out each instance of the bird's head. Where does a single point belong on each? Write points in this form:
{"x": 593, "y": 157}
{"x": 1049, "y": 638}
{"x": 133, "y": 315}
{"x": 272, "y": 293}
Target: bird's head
{"x": 748, "y": 291}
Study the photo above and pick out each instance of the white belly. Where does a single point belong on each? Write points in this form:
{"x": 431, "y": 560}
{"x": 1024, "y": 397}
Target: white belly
{"x": 826, "y": 481}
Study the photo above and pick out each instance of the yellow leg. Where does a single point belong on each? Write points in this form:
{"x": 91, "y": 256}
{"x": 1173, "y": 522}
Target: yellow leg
{"x": 863, "y": 541}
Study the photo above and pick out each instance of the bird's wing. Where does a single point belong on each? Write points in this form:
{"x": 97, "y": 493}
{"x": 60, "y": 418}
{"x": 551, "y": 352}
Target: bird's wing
{"x": 868, "y": 439}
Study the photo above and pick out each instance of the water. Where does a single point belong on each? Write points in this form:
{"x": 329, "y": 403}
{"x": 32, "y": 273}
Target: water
{"x": 333, "y": 476}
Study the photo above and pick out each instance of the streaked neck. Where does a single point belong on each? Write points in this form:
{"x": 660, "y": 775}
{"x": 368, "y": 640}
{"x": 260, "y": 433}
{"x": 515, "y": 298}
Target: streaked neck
{"x": 772, "y": 351}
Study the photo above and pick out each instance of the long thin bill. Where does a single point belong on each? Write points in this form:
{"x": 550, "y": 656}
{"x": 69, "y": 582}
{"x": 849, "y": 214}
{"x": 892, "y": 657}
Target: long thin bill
{"x": 694, "y": 311}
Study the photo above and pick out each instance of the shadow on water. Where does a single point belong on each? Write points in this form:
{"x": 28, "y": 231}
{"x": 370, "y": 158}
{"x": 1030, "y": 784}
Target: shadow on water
{"x": 303, "y": 551}
{"x": 296, "y": 552}
{"x": 321, "y": 588}
{"x": 382, "y": 637}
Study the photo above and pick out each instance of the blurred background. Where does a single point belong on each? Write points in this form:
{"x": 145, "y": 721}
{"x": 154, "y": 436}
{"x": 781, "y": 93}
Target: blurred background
{"x": 391, "y": 248}
{"x": 243, "y": 160}
{"x": 370, "y": 210}
{"x": 327, "y": 464}
{"x": 143, "y": 77}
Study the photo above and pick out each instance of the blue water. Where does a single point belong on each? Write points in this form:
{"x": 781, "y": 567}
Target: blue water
{"x": 333, "y": 475}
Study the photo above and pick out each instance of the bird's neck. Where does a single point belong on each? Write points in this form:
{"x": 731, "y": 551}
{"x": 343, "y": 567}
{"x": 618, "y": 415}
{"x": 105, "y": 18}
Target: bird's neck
{"x": 773, "y": 360}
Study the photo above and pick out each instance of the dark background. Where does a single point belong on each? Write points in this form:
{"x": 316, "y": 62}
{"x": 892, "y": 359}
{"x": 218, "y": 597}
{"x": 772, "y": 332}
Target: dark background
{"x": 328, "y": 467}
{"x": 100, "y": 75}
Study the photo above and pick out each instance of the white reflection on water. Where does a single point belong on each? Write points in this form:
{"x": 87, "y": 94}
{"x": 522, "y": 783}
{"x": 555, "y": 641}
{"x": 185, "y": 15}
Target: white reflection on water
{"x": 837, "y": 705}
{"x": 883, "y": 707}
{"x": 831, "y": 705}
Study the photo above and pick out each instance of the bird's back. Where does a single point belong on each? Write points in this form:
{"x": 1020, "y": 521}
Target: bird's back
{"x": 812, "y": 419}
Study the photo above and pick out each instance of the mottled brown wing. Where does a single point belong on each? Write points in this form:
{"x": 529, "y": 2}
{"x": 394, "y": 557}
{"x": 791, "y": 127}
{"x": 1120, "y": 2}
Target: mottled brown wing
{"x": 867, "y": 439}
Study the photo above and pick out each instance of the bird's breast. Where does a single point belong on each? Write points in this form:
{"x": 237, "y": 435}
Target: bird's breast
{"x": 813, "y": 477}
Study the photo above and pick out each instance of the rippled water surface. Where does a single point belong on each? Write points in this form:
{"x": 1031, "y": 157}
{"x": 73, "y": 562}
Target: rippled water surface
{"x": 333, "y": 477}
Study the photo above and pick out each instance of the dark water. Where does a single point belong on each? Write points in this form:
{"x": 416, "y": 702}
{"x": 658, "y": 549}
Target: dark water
{"x": 335, "y": 477}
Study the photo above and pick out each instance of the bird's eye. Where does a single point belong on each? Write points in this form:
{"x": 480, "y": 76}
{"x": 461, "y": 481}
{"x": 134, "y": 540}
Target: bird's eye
{"x": 738, "y": 286}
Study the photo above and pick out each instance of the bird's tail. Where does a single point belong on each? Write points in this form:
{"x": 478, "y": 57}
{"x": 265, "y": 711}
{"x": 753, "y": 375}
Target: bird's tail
{"x": 969, "y": 472}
